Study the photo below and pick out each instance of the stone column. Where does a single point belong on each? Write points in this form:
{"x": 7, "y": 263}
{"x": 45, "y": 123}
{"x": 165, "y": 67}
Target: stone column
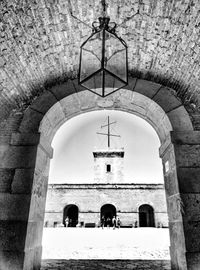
{"x": 181, "y": 161}
{"x": 23, "y": 182}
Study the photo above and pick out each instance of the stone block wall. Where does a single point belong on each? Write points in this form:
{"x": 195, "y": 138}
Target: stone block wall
{"x": 112, "y": 157}
{"x": 89, "y": 198}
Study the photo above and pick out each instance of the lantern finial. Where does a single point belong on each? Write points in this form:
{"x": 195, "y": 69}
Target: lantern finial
{"x": 105, "y": 6}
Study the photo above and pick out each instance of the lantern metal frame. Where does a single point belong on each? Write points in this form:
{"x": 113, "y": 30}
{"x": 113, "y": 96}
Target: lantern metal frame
{"x": 104, "y": 25}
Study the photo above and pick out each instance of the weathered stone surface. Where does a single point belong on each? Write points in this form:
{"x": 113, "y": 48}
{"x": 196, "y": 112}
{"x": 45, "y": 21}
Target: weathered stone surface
{"x": 166, "y": 99}
{"x": 78, "y": 88}
{"x": 37, "y": 207}
{"x": 42, "y": 160}
{"x": 193, "y": 260}
{"x": 175, "y": 208}
{"x": 158, "y": 45}
{"x": 146, "y": 88}
{"x": 23, "y": 181}
{"x": 186, "y": 137}
{"x": 33, "y": 258}
{"x": 34, "y": 234}
{"x": 88, "y": 103}
{"x": 165, "y": 145}
{"x": 44, "y": 102}
{"x": 54, "y": 117}
{"x": 6, "y": 178}
{"x": 189, "y": 180}
{"x": 168, "y": 156}
{"x": 154, "y": 112}
{"x": 17, "y": 156}
{"x": 71, "y": 106}
{"x": 14, "y": 206}
{"x": 25, "y": 139}
{"x": 11, "y": 124}
{"x": 46, "y": 147}
{"x": 180, "y": 119}
{"x": 17, "y": 260}
{"x": 141, "y": 101}
{"x": 131, "y": 83}
{"x": 31, "y": 121}
{"x": 11, "y": 260}
{"x": 191, "y": 221}
{"x": 12, "y": 235}
{"x": 177, "y": 245}
{"x": 5, "y": 138}
{"x": 46, "y": 128}
{"x": 63, "y": 90}
{"x": 195, "y": 117}
{"x": 171, "y": 183}
{"x": 187, "y": 155}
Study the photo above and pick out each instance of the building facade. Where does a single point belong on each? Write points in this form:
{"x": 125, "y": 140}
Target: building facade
{"x": 85, "y": 204}
{"x": 135, "y": 204}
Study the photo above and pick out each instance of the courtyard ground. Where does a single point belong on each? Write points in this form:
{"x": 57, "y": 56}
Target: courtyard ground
{"x": 94, "y": 248}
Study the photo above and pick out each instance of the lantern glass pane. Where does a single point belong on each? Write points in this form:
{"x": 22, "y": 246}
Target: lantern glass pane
{"x": 115, "y": 56}
{"x": 91, "y": 56}
{"x": 95, "y": 83}
{"x": 112, "y": 83}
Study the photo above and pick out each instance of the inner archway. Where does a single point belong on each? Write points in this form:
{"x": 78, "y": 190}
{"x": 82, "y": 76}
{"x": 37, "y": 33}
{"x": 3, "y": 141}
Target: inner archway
{"x": 108, "y": 211}
{"x": 146, "y": 216}
{"x": 70, "y": 215}
{"x": 143, "y": 107}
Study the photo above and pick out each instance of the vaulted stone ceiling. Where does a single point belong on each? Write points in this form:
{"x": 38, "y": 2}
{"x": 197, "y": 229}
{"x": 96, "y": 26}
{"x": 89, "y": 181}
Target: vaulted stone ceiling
{"x": 40, "y": 40}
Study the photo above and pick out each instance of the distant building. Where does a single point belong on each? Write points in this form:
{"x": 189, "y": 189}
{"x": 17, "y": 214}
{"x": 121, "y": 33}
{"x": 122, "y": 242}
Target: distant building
{"x": 136, "y": 205}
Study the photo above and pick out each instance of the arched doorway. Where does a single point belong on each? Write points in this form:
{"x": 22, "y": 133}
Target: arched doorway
{"x": 108, "y": 211}
{"x": 70, "y": 213}
{"x": 156, "y": 104}
{"x": 146, "y": 216}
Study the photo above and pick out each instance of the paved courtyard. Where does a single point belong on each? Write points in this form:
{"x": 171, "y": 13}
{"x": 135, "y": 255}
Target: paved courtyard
{"x": 106, "y": 265}
{"x": 94, "y": 248}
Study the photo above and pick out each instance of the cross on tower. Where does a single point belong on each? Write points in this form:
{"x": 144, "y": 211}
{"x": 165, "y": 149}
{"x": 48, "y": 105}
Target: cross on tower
{"x": 108, "y": 133}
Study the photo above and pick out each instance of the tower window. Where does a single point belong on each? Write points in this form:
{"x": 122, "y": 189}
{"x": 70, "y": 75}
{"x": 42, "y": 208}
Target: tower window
{"x": 108, "y": 168}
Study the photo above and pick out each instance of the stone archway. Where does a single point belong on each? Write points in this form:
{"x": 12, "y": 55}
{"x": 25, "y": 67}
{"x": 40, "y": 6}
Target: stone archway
{"x": 26, "y": 152}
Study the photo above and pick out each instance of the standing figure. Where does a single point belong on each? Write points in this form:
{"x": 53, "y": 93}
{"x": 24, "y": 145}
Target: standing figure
{"x": 108, "y": 222}
{"x": 114, "y": 222}
{"x": 66, "y": 222}
{"x": 102, "y": 222}
{"x": 118, "y": 223}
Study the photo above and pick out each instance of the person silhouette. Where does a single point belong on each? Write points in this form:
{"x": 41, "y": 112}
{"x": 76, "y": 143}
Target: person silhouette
{"x": 108, "y": 222}
{"x": 114, "y": 222}
{"x": 118, "y": 223}
{"x": 102, "y": 222}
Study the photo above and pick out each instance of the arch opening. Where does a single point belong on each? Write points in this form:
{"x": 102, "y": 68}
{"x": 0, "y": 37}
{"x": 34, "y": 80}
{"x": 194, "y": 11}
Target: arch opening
{"x": 108, "y": 211}
{"x": 146, "y": 216}
{"x": 70, "y": 215}
{"x": 164, "y": 118}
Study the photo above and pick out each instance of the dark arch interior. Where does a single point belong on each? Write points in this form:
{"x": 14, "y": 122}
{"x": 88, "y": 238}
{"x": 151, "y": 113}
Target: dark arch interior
{"x": 146, "y": 216}
{"x": 108, "y": 211}
{"x": 71, "y": 214}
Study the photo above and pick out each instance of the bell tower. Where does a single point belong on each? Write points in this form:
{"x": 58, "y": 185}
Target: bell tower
{"x": 109, "y": 162}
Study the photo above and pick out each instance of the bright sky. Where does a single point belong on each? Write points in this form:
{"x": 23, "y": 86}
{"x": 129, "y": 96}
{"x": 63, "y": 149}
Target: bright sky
{"x": 75, "y": 141}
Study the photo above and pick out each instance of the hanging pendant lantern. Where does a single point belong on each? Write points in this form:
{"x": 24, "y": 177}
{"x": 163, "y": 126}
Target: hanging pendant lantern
{"x": 103, "y": 67}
